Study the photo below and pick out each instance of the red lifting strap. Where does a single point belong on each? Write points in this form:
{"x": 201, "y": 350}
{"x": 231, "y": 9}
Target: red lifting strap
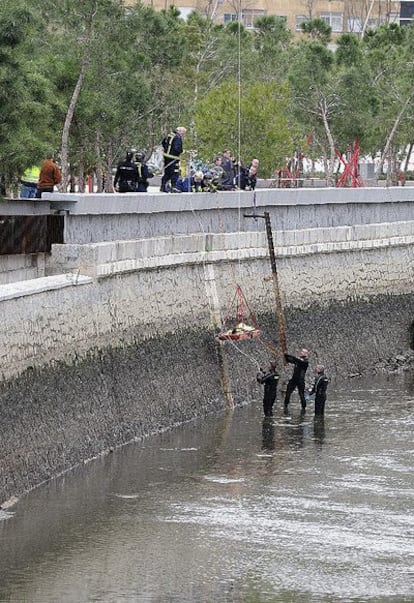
{"x": 241, "y": 301}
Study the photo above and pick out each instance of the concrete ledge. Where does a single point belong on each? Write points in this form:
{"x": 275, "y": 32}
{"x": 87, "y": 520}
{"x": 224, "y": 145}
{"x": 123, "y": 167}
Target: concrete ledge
{"x": 98, "y": 259}
{"x": 40, "y": 285}
{"x": 244, "y": 254}
{"x": 24, "y": 207}
{"x": 115, "y": 203}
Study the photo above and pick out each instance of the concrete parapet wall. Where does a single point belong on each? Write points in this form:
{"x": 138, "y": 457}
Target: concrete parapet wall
{"x": 105, "y": 217}
{"x": 21, "y": 267}
{"x": 24, "y": 207}
{"x": 61, "y": 317}
{"x": 109, "y": 203}
{"x": 110, "y": 258}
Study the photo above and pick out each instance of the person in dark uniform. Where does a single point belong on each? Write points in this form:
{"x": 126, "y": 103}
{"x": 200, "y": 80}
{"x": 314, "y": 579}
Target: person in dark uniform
{"x": 246, "y": 178}
{"x": 319, "y": 388}
{"x": 269, "y": 379}
{"x": 144, "y": 173}
{"x": 173, "y": 147}
{"x": 229, "y": 172}
{"x": 126, "y": 176}
{"x": 298, "y": 377}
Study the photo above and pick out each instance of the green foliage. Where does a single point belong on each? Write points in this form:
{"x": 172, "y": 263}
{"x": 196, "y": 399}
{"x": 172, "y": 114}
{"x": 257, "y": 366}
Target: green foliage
{"x": 348, "y": 52}
{"x": 257, "y": 91}
{"x": 271, "y": 43}
{"x": 25, "y": 124}
{"x": 261, "y": 112}
{"x": 317, "y": 29}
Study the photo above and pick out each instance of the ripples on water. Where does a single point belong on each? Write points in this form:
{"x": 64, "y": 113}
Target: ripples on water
{"x": 234, "y": 508}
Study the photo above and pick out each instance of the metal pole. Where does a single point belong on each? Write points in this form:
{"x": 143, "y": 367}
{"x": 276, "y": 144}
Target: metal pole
{"x": 276, "y": 290}
{"x": 275, "y": 280}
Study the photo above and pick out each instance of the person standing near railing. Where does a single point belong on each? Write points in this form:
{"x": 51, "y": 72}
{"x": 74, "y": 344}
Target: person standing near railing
{"x": 29, "y": 182}
{"x": 50, "y": 175}
{"x": 173, "y": 148}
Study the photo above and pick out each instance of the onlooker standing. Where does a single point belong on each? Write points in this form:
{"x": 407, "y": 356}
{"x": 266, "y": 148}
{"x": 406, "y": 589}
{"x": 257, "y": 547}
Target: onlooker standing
{"x": 255, "y": 164}
{"x": 29, "y": 182}
{"x": 248, "y": 178}
{"x": 144, "y": 173}
{"x": 173, "y": 147}
{"x": 217, "y": 174}
{"x": 50, "y": 175}
{"x": 228, "y": 167}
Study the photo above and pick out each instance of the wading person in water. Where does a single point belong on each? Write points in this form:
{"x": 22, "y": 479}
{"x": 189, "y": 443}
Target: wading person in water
{"x": 319, "y": 389}
{"x": 297, "y": 380}
{"x": 269, "y": 379}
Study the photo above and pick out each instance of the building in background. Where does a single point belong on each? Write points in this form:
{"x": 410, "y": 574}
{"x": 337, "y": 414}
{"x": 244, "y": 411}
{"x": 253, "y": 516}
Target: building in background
{"x": 342, "y": 15}
{"x": 407, "y": 12}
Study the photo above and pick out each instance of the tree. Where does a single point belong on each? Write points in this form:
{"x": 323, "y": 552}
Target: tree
{"x": 131, "y": 58}
{"x": 317, "y": 29}
{"x": 389, "y": 51}
{"x": 25, "y": 91}
{"x": 271, "y": 43}
{"x": 86, "y": 14}
{"x": 251, "y": 120}
{"x": 315, "y": 99}
{"x": 358, "y": 104}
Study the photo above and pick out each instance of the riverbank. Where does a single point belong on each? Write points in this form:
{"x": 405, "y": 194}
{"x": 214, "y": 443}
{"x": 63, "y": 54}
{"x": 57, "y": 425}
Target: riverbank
{"x": 67, "y": 413}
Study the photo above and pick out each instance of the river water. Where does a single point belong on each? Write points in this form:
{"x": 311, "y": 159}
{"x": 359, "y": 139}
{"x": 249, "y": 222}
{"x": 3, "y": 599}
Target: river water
{"x": 232, "y": 508}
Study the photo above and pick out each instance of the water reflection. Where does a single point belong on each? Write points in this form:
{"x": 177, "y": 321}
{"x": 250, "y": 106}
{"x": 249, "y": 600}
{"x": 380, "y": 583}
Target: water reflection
{"x": 319, "y": 430}
{"x": 232, "y": 508}
{"x": 268, "y": 434}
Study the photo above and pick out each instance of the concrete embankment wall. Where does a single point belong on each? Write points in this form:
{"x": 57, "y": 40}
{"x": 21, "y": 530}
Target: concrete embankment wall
{"x": 118, "y": 342}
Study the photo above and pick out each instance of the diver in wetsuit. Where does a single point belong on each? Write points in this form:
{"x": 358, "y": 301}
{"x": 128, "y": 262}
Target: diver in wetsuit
{"x": 319, "y": 389}
{"x": 269, "y": 379}
{"x": 298, "y": 377}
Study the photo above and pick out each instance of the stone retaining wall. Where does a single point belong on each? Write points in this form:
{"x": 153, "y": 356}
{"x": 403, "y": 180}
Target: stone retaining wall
{"x": 118, "y": 341}
{"x": 66, "y": 413}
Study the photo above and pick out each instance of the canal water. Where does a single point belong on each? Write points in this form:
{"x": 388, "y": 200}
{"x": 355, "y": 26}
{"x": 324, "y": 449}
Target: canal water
{"x": 232, "y": 508}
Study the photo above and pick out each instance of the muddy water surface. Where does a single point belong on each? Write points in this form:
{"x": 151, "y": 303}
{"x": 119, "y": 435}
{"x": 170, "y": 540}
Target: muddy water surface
{"x": 232, "y": 508}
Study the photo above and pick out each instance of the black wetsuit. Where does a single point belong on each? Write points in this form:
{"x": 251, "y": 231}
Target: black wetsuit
{"x": 319, "y": 389}
{"x": 269, "y": 379}
{"x": 126, "y": 177}
{"x": 298, "y": 378}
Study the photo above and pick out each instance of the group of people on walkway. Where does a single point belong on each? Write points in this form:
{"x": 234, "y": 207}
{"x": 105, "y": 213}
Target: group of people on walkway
{"x": 224, "y": 173}
{"x": 270, "y": 378}
{"x": 133, "y": 174}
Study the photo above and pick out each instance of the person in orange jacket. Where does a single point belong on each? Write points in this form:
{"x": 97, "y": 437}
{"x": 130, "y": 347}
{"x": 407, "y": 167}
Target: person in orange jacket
{"x": 50, "y": 175}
